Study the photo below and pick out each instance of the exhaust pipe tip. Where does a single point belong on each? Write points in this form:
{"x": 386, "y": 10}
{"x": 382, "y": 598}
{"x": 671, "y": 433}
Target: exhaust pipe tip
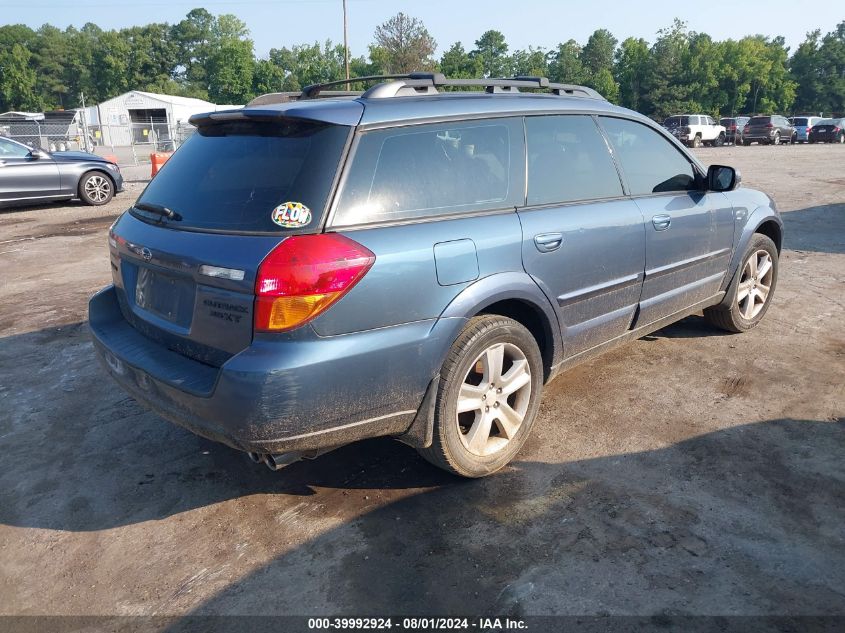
{"x": 255, "y": 457}
{"x": 280, "y": 460}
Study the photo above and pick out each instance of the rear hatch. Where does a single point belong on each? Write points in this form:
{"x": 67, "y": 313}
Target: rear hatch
{"x": 185, "y": 256}
{"x": 759, "y": 124}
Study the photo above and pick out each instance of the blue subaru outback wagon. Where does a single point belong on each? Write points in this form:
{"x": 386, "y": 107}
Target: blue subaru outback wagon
{"x": 415, "y": 262}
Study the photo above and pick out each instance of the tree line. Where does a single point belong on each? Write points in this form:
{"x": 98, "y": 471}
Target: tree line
{"x": 212, "y": 57}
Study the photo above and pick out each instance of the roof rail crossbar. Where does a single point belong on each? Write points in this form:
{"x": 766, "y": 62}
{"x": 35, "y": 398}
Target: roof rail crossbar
{"x": 427, "y": 83}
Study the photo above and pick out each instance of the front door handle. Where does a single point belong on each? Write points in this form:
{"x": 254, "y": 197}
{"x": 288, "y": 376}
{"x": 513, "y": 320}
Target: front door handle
{"x": 548, "y": 242}
{"x": 661, "y": 222}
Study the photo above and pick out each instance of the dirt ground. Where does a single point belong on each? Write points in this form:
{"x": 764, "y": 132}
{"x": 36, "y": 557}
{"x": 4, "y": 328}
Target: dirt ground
{"x": 690, "y": 472}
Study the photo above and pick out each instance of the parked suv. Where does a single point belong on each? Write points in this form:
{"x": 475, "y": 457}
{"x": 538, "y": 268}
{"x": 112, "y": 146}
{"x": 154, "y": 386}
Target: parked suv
{"x": 769, "y": 130}
{"x": 696, "y": 130}
{"x": 802, "y": 125}
{"x": 733, "y": 128}
{"x": 414, "y": 263}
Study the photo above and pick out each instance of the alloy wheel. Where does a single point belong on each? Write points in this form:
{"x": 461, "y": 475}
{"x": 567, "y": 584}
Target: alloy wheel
{"x": 97, "y": 188}
{"x": 493, "y": 399}
{"x": 755, "y": 284}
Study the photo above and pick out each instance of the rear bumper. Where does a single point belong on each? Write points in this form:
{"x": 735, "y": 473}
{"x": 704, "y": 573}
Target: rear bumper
{"x": 284, "y": 392}
{"x": 823, "y": 137}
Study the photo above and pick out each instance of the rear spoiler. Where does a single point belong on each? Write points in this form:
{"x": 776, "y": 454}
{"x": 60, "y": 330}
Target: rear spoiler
{"x": 337, "y": 113}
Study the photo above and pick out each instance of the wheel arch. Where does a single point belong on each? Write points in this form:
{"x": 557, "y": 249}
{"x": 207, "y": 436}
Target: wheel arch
{"x": 763, "y": 220}
{"x": 517, "y": 296}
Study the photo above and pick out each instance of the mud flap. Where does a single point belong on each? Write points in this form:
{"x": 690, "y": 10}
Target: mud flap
{"x": 421, "y": 432}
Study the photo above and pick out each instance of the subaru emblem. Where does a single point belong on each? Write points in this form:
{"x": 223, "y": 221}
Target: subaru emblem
{"x": 146, "y": 254}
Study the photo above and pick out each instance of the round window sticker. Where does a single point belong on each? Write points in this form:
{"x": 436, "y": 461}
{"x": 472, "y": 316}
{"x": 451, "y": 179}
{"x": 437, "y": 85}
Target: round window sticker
{"x": 291, "y": 215}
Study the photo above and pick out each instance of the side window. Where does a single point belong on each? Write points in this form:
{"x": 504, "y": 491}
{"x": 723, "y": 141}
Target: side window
{"x": 694, "y": 120}
{"x": 430, "y": 170}
{"x": 12, "y": 149}
{"x": 568, "y": 160}
{"x": 650, "y": 163}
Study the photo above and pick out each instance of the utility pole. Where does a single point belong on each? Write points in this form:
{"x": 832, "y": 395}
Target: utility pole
{"x": 345, "y": 41}
{"x": 84, "y": 123}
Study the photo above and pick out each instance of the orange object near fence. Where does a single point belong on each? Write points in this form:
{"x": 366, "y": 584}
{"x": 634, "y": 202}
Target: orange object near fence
{"x": 157, "y": 160}
{"x": 111, "y": 158}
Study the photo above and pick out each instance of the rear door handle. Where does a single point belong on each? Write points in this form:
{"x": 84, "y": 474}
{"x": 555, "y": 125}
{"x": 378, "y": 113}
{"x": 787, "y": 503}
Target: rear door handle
{"x": 661, "y": 222}
{"x": 548, "y": 242}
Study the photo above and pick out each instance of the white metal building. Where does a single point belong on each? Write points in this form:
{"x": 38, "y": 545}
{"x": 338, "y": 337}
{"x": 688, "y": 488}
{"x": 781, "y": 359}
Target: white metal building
{"x": 135, "y": 116}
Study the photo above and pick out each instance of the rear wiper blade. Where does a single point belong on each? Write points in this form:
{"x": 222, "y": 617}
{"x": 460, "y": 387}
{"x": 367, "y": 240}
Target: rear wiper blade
{"x": 161, "y": 210}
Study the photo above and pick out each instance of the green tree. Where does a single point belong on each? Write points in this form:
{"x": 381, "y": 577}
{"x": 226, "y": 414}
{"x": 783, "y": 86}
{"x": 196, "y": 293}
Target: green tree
{"x": 532, "y": 62}
{"x": 457, "y": 63}
{"x": 193, "y": 37}
{"x": 565, "y": 63}
{"x": 110, "y": 59}
{"x": 832, "y": 70}
{"x": 665, "y": 91}
{"x": 17, "y": 80}
{"x": 491, "y": 50}
{"x": 231, "y": 61}
{"x": 806, "y": 67}
{"x": 402, "y": 45}
{"x": 597, "y": 53}
{"x": 632, "y": 59}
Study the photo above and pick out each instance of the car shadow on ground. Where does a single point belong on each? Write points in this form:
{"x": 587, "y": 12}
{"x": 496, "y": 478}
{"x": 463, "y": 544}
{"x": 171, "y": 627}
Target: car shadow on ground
{"x": 745, "y": 520}
{"x": 819, "y": 229}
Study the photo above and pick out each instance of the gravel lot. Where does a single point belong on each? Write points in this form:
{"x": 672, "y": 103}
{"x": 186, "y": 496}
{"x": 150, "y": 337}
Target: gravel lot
{"x": 691, "y": 472}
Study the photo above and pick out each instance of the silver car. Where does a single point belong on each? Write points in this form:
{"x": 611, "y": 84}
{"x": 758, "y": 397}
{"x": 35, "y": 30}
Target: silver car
{"x": 30, "y": 176}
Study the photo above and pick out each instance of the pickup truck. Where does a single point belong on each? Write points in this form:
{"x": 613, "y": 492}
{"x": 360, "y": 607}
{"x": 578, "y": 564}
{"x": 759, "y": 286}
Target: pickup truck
{"x": 694, "y": 130}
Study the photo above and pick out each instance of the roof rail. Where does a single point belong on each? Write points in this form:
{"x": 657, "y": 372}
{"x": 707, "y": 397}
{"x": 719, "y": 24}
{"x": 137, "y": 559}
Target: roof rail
{"x": 428, "y": 82}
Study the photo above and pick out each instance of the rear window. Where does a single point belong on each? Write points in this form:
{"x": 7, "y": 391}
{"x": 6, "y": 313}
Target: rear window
{"x": 727, "y": 121}
{"x": 827, "y": 122}
{"x": 799, "y": 121}
{"x": 431, "y": 170}
{"x": 675, "y": 121}
{"x": 760, "y": 120}
{"x": 238, "y": 176}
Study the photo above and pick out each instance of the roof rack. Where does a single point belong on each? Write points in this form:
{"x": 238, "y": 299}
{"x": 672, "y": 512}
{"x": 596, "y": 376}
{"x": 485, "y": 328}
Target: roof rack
{"x": 426, "y": 83}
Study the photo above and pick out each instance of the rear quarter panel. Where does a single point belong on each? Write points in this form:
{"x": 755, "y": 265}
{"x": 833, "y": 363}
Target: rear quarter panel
{"x": 403, "y": 285}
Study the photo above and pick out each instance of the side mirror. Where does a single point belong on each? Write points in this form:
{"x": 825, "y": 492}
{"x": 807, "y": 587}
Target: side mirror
{"x": 722, "y": 178}
{"x": 37, "y": 154}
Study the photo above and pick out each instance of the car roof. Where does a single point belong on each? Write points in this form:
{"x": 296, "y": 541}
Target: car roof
{"x": 396, "y": 110}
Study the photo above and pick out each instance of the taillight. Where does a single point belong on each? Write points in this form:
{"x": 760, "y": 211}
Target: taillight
{"x": 769, "y": 125}
{"x": 733, "y": 127}
{"x": 303, "y": 276}
{"x": 836, "y": 129}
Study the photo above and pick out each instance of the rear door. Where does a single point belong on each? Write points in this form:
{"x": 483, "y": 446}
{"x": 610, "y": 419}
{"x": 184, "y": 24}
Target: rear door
{"x": 688, "y": 232}
{"x": 24, "y": 176}
{"x": 583, "y": 241}
{"x": 238, "y": 188}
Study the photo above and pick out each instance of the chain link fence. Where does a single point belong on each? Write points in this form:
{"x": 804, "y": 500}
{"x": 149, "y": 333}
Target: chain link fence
{"x": 129, "y": 144}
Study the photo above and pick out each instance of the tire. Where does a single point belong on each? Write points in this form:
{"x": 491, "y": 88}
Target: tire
{"x": 735, "y": 313}
{"x": 841, "y": 138}
{"x": 746, "y": 143}
{"x": 719, "y": 141}
{"x": 793, "y": 139}
{"x": 96, "y": 189}
{"x": 776, "y": 139}
{"x": 476, "y": 442}
{"x": 696, "y": 142}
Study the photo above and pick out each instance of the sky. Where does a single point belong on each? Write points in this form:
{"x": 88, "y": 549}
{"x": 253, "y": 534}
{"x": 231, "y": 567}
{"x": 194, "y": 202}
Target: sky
{"x": 543, "y": 23}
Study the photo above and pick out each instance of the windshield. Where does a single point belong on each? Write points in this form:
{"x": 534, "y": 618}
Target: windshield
{"x": 245, "y": 176}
